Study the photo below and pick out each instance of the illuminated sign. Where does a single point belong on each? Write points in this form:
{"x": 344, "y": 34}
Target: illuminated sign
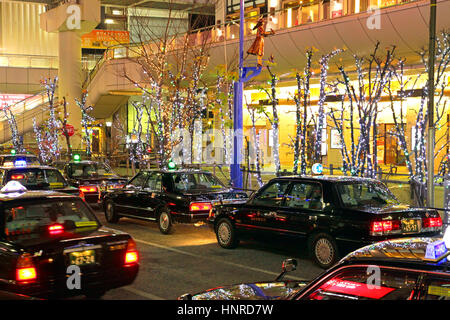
{"x": 102, "y": 39}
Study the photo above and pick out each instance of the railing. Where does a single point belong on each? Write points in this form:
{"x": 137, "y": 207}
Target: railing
{"x": 305, "y": 14}
{"x": 27, "y": 104}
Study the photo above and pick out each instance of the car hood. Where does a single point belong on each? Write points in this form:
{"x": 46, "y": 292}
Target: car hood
{"x": 271, "y": 290}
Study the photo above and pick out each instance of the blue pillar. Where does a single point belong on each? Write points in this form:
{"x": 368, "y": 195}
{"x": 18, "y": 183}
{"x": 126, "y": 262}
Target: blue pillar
{"x": 238, "y": 123}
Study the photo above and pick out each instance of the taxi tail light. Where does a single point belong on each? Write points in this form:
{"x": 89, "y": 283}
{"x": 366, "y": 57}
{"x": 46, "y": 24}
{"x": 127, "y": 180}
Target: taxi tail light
{"x": 432, "y": 223}
{"x": 88, "y": 189}
{"x": 25, "y": 269}
{"x": 56, "y": 229}
{"x": 200, "y": 206}
{"x": 131, "y": 255}
{"x": 378, "y": 228}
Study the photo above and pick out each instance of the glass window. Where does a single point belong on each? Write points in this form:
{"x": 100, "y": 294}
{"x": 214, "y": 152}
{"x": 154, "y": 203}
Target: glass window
{"x": 272, "y": 195}
{"x": 305, "y": 196}
{"x": 33, "y": 217}
{"x": 437, "y": 289}
{"x": 154, "y": 182}
{"x": 138, "y": 181}
{"x": 365, "y": 284}
{"x": 196, "y": 181}
{"x": 361, "y": 194}
{"x": 37, "y": 178}
{"x": 89, "y": 170}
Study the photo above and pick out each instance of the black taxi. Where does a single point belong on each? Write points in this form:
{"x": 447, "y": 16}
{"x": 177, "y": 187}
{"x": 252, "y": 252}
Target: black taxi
{"x": 334, "y": 214}
{"x": 169, "y": 196}
{"x": 53, "y": 246}
{"x": 91, "y": 178}
{"x": 37, "y": 177}
{"x": 398, "y": 269}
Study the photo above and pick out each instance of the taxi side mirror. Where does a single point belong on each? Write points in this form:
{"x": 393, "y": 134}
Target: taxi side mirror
{"x": 288, "y": 265}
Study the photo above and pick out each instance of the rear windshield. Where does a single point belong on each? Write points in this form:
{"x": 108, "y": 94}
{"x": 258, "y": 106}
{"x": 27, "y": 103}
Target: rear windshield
{"x": 37, "y": 179}
{"x": 35, "y": 217}
{"x": 89, "y": 170}
{"x": 365, "y": 194}
{"x": 196, "y": 181}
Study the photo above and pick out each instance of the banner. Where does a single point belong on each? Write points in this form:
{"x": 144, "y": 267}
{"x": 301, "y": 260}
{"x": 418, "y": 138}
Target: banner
{"x": 102, "y": 39}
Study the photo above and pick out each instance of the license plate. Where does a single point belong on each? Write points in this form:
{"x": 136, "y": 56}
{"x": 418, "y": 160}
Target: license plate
{"x": 411, "y": 226}
{"x": 80, "y": 258}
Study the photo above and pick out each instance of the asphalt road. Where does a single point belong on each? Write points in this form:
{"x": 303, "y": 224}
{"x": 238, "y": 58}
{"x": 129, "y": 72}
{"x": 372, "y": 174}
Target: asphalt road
{"x": 190, "y": 260}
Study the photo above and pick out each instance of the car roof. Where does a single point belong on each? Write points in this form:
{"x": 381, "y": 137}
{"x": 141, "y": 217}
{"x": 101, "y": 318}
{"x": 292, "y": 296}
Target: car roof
{"x": 18, "y": 155}
{"x": 326, "y": 178}
{"x": 33, "y": 195}
{"x": 30, "y": 167}
{"x": 398, "y": 252}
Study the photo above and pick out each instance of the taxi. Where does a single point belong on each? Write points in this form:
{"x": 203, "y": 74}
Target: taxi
{"x": 48, "y": 238}
{"x": 400, "y": 269}
{"x": 332, "y": 215}
{"x": 37, "y": 177}
{"x": 91, "y": 178}
{"x": 169, "y": 196}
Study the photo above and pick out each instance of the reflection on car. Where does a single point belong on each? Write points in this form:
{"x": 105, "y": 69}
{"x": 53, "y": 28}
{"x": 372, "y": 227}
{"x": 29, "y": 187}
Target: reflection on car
{"x": 334, "y": 214}
{"x": 168, "y": 197}
{"x": 399, "y": 269}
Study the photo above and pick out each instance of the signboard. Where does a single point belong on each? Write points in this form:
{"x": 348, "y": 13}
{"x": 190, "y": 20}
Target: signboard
{"x": 11, "y": 99}
{"x": 335, "y": 139}
{"x": 102, "y": 39}
{"x": 70, "y": 130}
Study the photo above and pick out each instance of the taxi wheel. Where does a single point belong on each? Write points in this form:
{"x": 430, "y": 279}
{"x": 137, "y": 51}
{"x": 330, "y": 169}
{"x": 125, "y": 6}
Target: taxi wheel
{"x": 165, "y": 222}
{"x": 226, "y": 234}
{"x": 323, "y": 249}
{"x": 110, "y": 212}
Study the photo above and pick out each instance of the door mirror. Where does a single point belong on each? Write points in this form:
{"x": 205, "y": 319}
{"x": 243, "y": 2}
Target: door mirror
{"x": 289, "y": 265}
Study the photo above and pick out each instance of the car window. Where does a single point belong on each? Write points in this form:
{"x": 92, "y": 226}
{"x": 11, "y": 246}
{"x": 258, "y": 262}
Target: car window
{"x": 374, "y": 194}
{"x": 32, "y": 217}
{"x": 196, "y": 181}
{"x": 37, "y": 178}
{"x": 138, "y": 181}
{"x": 305, "y": 196}
{"x": 154, "y": 182}
{"x": 371, "y": 283}
{"x": 437, "y": 289}
{"x": 272, "y": 195}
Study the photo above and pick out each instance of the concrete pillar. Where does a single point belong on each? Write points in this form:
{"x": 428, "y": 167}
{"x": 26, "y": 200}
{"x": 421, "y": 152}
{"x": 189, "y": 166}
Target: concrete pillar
{"x": 71, "y": 20}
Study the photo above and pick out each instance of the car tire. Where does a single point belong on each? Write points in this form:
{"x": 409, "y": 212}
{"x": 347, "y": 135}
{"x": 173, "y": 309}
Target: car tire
{"x": 226, "y": 234}
{"x": 323, "y": 250}
{"x": 110, "y": 212}
{"x": 165, "y": 222}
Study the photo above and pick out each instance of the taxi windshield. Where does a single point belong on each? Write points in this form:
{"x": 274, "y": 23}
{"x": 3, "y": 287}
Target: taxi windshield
{"x": 37, "y": 179}
{"x": 36, "y": 216}
{"x": 196, "y": 181}
{"x": 89, "y": 170}
{"x": 366, "y": 194}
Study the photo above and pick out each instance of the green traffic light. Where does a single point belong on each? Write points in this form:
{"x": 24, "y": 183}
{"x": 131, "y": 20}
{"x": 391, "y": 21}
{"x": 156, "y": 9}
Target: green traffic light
{"x": 171, "y": 165}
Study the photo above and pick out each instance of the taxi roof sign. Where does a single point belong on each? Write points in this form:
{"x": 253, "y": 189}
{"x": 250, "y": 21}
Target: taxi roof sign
{"x": 13, "y": 186}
